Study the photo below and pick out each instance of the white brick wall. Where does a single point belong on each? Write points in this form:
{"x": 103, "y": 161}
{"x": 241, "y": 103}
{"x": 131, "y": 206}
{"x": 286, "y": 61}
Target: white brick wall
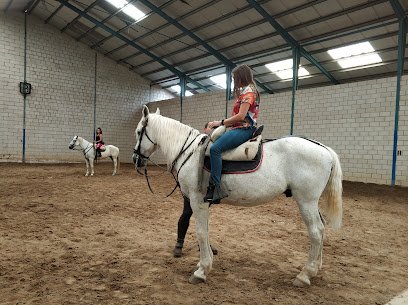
{"x": 61, "y": 71}
{"x": 356, "y": 120}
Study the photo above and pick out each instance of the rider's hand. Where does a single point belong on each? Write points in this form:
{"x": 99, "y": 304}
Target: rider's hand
{"x": 214, "y": 124}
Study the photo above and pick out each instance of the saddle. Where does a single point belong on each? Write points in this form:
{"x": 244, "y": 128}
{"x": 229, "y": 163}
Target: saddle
{"x": 245, "y": 152}
{"x": 245, "y": 158}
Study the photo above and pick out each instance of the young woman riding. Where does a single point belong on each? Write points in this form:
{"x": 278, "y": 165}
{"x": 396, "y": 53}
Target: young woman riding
{"x": 242, "y": 125}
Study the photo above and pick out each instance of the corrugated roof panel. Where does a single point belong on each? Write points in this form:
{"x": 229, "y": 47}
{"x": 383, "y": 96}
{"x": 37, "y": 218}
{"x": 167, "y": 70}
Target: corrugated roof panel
{"x": 383, "y": 9}
{"x": 199, "y": 63}
{"x": 330, "y": 7}
{"x": 305, "y": 15}
{"x": 362, "y": 15}
{"x": 179, "y": 8}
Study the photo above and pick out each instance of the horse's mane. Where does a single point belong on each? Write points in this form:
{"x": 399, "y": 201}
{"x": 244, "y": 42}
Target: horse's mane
{"x": 171, "y": 134}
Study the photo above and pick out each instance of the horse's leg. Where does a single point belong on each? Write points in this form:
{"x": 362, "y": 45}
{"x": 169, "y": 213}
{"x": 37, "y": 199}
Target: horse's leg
{"x": 115, "y": 164}
{"x": 87, "y": 167}
{"x": 315, "y": 227}
{"x": 91, "y": 161}
{"x": 201, "y": 214}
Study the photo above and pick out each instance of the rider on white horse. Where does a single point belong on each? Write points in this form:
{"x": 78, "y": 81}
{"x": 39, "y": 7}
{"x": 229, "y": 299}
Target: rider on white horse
{"x": 306, "y": 168}
{"x": 242, "y": 123}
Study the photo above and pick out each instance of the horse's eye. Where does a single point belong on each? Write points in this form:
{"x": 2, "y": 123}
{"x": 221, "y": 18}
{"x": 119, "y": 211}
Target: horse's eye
{"x": 138, "y": 132}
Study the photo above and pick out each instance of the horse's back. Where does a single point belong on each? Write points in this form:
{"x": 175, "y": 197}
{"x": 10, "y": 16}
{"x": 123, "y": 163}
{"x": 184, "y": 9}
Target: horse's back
{"x": 297, "y": 147}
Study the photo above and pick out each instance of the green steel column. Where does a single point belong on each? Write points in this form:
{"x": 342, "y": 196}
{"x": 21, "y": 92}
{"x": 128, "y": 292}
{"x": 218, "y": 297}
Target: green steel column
{"x": 94, "y": 101}
{"x": 182, "y": 95}
{"x": 228, "y": 73}
{"x": 400, "y": 69}
{"x": 296, "y": 59}
{"x": 25, "y": 79}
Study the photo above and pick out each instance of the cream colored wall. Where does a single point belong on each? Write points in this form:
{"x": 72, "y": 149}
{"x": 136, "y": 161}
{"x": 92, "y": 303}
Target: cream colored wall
{"x": 355, "y": 119}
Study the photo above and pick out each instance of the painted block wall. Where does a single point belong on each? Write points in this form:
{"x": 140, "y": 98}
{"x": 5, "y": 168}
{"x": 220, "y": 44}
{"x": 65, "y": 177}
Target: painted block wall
{"x": 355, "y": 119}
{"x": 61, "y": 105}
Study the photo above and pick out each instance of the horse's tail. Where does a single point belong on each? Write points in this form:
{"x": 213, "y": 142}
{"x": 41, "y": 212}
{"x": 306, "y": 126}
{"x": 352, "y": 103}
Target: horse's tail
{"x": 334, "y": 189}
{"x": 117, "y": 168}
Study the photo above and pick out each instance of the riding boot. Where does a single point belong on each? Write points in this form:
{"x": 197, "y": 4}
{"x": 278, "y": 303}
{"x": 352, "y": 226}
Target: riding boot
{"x": 99, "y": 154}
{"x": 178, "y": 248}
{"x": 210, "y": 191}
{"x": 218, "y": 195}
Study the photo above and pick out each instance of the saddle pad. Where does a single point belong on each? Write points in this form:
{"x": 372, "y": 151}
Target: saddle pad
{"x": 238, "y": 167}
{"x": 245, "y": 152}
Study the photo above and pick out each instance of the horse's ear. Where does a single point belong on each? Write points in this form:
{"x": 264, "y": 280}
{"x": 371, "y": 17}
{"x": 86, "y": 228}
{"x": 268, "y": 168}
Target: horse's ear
{"x": 157, "y": 110}
{"x": 145, "y": 111}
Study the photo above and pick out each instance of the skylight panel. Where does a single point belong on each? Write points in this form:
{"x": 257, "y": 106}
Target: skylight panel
{"x": 360, "y": 60}
{"x": 221, "y": 81}
{"x": 360, "y": 54}
{"x": 128, "y": 9}
{"x": 284, "y": 69}
{"x": 177, "y": 88}
{"x": 352, "y": 50}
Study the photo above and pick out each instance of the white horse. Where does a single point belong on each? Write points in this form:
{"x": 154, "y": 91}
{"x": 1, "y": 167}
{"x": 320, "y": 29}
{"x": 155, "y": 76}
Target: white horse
{"x": 306, "y": 168}
{"x": 89, "y": 153}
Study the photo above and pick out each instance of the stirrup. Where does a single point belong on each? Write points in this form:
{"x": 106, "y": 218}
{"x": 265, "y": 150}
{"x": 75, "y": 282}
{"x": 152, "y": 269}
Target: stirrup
{"x": 218, "y": 195}
{"x": 258, "y": 131}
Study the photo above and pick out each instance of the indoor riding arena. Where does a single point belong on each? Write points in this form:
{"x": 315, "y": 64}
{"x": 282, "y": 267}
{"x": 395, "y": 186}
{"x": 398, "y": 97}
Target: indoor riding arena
{"x": 97, "y": 98}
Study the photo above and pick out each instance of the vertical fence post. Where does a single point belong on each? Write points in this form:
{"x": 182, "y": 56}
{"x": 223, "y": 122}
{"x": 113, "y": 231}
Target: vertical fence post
{"x": 182, "y": 95}
{"x": 94, "y": 101}
{"x": 228, "y": 73}
{"x": 400, "y": 69}
{"x": 296, "y": 59}
{"x": 25, "y": 79}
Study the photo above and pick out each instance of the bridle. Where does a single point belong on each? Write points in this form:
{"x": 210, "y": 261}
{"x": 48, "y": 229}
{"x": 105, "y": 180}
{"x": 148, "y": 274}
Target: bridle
{"x": 137, "y": 150}
{"x": 84, "y": 150}
{"x": 173, "y": 164}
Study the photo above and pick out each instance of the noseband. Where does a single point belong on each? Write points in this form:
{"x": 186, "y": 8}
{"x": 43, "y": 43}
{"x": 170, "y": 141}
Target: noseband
{"x": 137, "y": 150}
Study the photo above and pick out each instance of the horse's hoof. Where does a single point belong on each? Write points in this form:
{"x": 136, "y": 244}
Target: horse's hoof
{"x": 301, "y": 282}
{"x": 114, "y": 174}
{"x": 86, "y": 175}
{"x": 92, "y": 175}
{"x": 177, "y": 251}
{"x": 195, "y": 280}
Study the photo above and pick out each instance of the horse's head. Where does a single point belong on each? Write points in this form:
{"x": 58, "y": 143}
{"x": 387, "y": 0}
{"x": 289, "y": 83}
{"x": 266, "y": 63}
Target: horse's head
{"x": 145, "y": 142}
{"x": 73, "y": 142}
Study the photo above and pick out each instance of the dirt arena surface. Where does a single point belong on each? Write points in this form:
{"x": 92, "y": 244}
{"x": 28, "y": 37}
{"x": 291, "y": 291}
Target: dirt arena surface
{"x": 70, "y": 239}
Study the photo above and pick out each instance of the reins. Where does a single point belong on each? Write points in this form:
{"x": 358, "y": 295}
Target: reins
{"x": 173, "y": 164}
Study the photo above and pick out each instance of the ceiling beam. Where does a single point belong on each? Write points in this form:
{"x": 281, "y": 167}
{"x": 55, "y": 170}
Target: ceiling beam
{"x": 99, "y": 43}
{"x": 53, "y": 14}
{"x": 222, "y": 18}
{"x": 290, "y": 40}
{"x": 131, "y": 43}
{"x": 117, "y": 11}
{"x": 280, "y": 49}
{"x": 269, "y": 35}
{"x": 73, "y": 21}
{"x": 198, "y": 9}
{"x": 399, "y": 11}
{"x": 214, "y": 52}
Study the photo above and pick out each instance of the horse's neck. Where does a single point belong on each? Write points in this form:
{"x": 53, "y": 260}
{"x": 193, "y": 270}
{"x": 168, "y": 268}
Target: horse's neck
{"x": 83, "y": 143}
{"x": 171, "y": 135}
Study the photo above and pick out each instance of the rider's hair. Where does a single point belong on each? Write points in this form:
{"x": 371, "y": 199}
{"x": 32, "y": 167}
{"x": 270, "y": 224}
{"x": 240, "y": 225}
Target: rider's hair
{"x": 99, "y": 129}
{"x": 243, "y": 77}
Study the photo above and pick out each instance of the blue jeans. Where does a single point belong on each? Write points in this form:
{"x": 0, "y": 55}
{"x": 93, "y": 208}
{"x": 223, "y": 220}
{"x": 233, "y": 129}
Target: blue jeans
{"x": 231, "y": 139}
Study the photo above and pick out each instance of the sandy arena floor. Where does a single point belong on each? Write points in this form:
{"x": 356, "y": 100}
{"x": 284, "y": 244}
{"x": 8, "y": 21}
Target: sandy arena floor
{"x": 70, "y": 239}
